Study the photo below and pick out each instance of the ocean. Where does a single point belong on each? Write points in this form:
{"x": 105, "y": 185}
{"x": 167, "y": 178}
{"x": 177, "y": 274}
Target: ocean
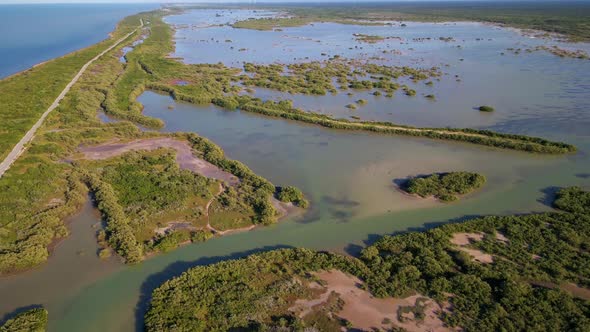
{"x": 33, "y": 33}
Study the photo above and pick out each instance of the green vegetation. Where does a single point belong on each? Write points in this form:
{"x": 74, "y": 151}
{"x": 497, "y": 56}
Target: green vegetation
{"x": 316, "y": 77}
{"x": 569, "y": 19}
{"x": 555, "y": 50}
{"x": 561, "y": 52}
{"x": 270, "y": 23}
{"x": 370, "y": 39}
{"x": 255, "y": 189}
{"x": 139, "y": 192}
{"x": 104, "y": 253}
{"x": 486, "y": 109}
{"x": 481, "y": 137}
{"x": 292, "y": 194}
{"x": 445, "y": 186}
{"x": 526, "y": 286}
{"x": 223, "y": 296}
{"x": 41, "y": 85}
{"x": 119, "y": 229}
{"x": 40, "y": 190}
{"x": 148, "y": 67}
{"x": 573, "y": 199}
{"x": 34, "y": 320}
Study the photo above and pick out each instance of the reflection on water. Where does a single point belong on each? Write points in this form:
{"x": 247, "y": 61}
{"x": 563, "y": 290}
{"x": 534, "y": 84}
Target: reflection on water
{"x": 347, "y": 175}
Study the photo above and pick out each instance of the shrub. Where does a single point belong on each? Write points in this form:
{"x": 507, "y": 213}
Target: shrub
{"x": 34, "y": 320}
{"x": 445, "y": 186}
{"x": 292, "y": 194}
{"x": 104, "y": 253}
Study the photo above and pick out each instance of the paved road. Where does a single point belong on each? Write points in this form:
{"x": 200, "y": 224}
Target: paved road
{"x": 19, "y": 148}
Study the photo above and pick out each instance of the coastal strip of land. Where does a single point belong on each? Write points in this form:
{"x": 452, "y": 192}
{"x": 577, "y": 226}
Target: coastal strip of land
{"x": 21, "y": 145}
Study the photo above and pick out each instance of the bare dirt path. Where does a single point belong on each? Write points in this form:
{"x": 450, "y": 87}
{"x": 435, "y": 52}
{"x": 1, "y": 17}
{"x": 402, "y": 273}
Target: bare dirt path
{"x": 184, "y": 155}
{"x": 21, "y": 145}
{"x": 209, "y": 227}
{"x": 227, "y": 231}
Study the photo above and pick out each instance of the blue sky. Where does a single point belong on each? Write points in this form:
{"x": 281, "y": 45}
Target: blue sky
{"x": 226, "y": 1}
{"x": 209, "y": 1}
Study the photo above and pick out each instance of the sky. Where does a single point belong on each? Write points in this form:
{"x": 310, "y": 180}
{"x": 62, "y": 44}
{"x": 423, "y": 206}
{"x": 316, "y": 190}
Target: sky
{"x": 226, "y": 1}
{"x": 187, "y": 1}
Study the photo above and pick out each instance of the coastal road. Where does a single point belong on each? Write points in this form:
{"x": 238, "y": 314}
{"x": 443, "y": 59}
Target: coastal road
{"x": 20, "y": 147}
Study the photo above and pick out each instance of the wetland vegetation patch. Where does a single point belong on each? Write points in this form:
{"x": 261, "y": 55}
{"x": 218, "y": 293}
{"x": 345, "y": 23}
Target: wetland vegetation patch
{"x": 33, "y": 320}
{"x": 444, "y": 186}
{"x": 296, "y": 288}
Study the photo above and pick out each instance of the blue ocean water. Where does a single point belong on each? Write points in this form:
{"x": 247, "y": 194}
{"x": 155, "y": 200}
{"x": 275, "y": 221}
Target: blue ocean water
{"x": 34, "y": 33}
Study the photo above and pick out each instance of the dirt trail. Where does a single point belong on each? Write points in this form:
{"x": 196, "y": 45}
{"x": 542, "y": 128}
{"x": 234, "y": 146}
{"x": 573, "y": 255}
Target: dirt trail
{"x": 209, "y": 227}
{"x": 184, "y": 155}
{"x": 21, "y": 145}
{"x": 228, "y": 231}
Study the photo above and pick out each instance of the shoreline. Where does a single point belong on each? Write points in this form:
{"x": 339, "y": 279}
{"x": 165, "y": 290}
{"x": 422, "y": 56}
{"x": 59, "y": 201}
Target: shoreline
{"x": 110, "y": 36}
{"x": 21, "y": 145}
{"x": 185, "y": 159}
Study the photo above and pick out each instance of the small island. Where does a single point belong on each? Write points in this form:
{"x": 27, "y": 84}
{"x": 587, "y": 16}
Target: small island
{"x": 485, "y": 108}
{"x": 444, "y": 186}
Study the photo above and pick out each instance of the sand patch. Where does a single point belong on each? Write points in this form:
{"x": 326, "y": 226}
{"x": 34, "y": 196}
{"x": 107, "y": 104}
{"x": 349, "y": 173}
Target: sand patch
{"x": 502, "y": 238}
{"x": 461, "y": 240}
{"x": 184, "y": 155}
{"x": 366, "y": 312}
{"x": 571, "y": 288}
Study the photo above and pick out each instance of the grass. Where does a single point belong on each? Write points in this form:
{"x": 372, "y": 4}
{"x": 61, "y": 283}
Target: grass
{"x": 41, "y": 85}
{"x": 270, "y": 23}
{"x": 569, "y": 19}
